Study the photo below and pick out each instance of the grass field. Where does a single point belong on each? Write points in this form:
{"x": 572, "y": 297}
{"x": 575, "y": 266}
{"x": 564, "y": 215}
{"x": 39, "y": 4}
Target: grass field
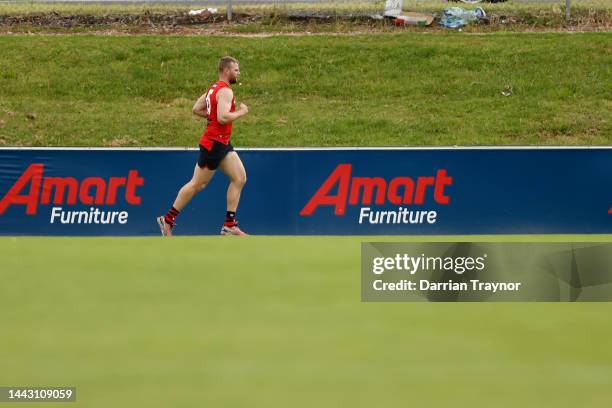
{"x": 145, "y": 322}
{"x": 277, "y": 321}
{"x": 402, "y": 89}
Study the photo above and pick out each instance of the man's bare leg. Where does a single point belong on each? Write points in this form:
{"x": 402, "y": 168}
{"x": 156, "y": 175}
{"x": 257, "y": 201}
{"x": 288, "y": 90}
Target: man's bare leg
{"x": 201, "y": 177}
{"x": 233, "y": 168}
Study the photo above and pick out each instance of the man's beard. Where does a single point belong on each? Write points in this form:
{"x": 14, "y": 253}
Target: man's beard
{"x": 232, "y": 80}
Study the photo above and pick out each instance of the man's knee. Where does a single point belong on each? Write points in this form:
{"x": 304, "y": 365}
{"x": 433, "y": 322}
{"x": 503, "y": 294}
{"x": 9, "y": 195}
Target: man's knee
{"x": 240, "y": 180}
{"x": 196, "y": 187}
{"x": 200, "y": 186}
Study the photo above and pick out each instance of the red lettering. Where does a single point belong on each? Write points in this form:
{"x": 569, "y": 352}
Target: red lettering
{"x": 60, "y": 184}
{"x": 422, "y": 183}
{"x": 368, "y": 185}
{"x": 442, "y": 180}
{"x": 362, "y": 190}
{"x": 341, "y": 176}
{"x": 91, "y": 190}
{"x": 113, "y": 184}
{"x": 86, "y": 185}
{"x": 395, "y": 184}
{"x": 32, "y": 174}
{"x": 133, "y": 181}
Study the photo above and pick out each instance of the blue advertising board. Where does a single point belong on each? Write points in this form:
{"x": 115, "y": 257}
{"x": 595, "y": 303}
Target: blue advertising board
{"x": 340, "y": 191}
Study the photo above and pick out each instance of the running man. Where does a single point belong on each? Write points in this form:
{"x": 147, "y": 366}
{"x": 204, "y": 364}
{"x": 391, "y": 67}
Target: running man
{"x": 217, "y": 105}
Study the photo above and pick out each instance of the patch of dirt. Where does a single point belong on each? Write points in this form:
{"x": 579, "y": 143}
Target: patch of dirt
{"x": 55, "y": 19}
{"x": 292, "y": 23}
{"x": 120, "y": 142}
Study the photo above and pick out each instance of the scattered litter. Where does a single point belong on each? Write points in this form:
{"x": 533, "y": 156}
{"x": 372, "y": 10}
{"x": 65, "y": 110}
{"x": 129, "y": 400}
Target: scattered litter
{"x": 507, "y": 91}
{"x": 418, "y": 19}
{"x": 456, "y": 17}
{"x": 393, "y": 8}
{"x": 202, "y": 11}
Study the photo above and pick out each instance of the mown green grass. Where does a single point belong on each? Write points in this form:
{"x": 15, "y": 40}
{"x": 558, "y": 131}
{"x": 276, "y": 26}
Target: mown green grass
{"x": 402, "y": 89}
{"x": 277, "y": 322}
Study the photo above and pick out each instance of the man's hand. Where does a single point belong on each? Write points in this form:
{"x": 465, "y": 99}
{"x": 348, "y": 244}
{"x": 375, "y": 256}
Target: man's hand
{"x": 243, "y": 109}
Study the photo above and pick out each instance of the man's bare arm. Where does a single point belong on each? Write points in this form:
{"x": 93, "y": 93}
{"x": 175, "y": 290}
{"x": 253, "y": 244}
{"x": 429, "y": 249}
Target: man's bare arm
{"x": 224, "y": 104}
{"x": 199, "y": 108}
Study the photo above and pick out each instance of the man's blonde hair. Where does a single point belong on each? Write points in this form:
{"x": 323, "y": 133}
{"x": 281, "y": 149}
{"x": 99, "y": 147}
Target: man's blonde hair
{"x": 226, "y": 62}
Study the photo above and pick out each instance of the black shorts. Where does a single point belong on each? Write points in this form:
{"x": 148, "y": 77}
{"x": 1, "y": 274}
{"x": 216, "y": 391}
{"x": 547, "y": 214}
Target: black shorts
{"x": 211, "y": 158}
